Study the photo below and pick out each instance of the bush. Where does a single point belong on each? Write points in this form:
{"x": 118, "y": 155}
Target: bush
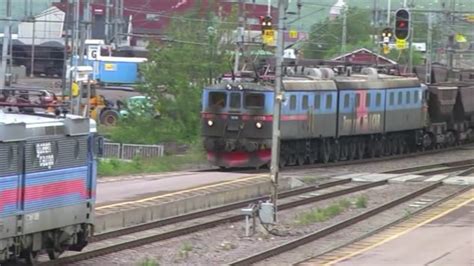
{"x": 114, "y": 167}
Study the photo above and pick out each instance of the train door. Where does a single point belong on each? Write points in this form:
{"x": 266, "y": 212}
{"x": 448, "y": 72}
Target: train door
{"x": 21, "y": 170}
{"x": 315, "y": 112}
{"x": 347, "y": 113}
{"x": 307, "y": 112}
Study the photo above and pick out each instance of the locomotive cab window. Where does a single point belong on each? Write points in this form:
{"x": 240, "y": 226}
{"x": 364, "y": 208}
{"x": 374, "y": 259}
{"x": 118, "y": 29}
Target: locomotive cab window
{"x": 392, "y": 98}
{"x": 417, "y": 97}
{"x": 346, "y": 100}
{"x": 305, "y": 103}
{"x": 255, "y": 100}
{"x": 235, "y": 100}
{"x": 328, "y": 101}
{"x": 400, "y": 98}
{"x": 357, "y": 103}
{"x": 407, "y": 95}
{"x": 217, "y": 99}
{"x": 367, "y": 99}
{"x": 292, "y": 102}
{"x": 378, "y": 99}
{"x": 317, "y": 101}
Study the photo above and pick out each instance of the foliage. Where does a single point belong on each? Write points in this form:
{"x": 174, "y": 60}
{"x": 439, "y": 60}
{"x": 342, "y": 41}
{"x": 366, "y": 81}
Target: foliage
{"x": 361, "y": 201}
{"x": 177, "y": 71}
{"x": 325, "y": 37}
{"x": 323, "y": 214}
{"x": 186, "y": 248}
{"x": 192, "y": 54}
{"x": 149, "y": 262}
{"x": 114, "y": 167}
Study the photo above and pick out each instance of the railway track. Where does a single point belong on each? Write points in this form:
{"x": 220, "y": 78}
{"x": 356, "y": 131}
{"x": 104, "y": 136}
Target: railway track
{"x": 205, "y": 225}
{"x": 290, "y": 245}
{"x": 446, "y": 167}
{"x": 345, "y": 162}
{"x": 419, "y": 216}
{"x": 449, "y": 167}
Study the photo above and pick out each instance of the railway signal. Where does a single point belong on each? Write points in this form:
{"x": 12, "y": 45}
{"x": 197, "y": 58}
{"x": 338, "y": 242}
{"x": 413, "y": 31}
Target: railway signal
{"x": 266, "y": 23}
{"x": 387, "y": 34}
{"x": 402, "y": 24}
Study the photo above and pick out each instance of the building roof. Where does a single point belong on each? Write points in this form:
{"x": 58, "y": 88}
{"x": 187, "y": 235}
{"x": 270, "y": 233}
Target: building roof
{"x": 363, "y": 55}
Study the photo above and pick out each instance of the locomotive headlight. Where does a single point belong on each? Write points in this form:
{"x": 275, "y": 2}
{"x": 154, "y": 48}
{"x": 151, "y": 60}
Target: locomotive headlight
{"x": 210, "y": 123}
{"x": 258, "y": 125}
{"x": 228, "y": 86}
{"x": 241, "y": 88}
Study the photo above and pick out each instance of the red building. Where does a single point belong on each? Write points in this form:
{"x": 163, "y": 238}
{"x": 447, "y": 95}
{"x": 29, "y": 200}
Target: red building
{"x": 365, "y": 56}
{"x": 151, "y": 18}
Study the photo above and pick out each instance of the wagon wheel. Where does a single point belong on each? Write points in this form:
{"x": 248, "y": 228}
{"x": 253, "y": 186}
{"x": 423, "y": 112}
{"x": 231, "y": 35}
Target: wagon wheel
{"x": 324, "y": 152}
{"x": 54, "y": 253}
{"x": 344, "y": 151}
{"x": 388, "y": 147}
{"x": 31, "y": 257}
{"x": 283, "y": 160}
{"x": 313, "y": 157}
{"x": 396, "y": 142}
{"x": 372, "y": 149}
{"x": 300, "y": 159}
{"x": 402, "y": 146}
{"x": 360, "y": 149}
{"x": 335, "y": 149}
{"x": 352, "y": 150}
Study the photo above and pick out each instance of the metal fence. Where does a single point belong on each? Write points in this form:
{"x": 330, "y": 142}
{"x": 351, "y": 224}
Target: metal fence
{"x": 132, "y": 151}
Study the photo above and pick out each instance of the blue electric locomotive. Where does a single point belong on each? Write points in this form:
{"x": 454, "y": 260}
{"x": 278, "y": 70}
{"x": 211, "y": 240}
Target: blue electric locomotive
{"x": 47, "y": 184}
{"x": 324, "y": 118}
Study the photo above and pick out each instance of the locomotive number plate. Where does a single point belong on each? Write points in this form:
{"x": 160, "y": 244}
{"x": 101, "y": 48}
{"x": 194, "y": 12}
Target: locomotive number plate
{"x": 44, "y": 153}
{"x": 234, "y": 117}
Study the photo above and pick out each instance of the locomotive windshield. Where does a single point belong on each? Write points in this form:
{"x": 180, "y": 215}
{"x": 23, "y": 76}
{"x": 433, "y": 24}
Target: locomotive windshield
{"x": 254, "y": 100}
{"x": 235, "y": 99}
{"x": 217, "y": 99}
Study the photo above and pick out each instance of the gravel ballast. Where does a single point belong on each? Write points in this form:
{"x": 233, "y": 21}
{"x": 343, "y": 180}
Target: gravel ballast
{"x": 228, "y": 243}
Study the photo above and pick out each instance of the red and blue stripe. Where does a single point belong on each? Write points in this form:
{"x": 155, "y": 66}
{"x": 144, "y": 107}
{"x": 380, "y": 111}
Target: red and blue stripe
{"x": 45, "y": 190}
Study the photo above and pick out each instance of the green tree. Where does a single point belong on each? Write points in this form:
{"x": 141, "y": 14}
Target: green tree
{"x": 325, "y": 37}
{"x": 177, "y": 70}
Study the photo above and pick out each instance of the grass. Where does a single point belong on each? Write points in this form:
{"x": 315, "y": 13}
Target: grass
{"x": 361, "y": 201}
{"x": 323, "y": 214}
{"x": 114, "y": 167}
{"x": 149, "y": 262}
{"x": 185, "y": 249}
{"x": 320, "y": 214}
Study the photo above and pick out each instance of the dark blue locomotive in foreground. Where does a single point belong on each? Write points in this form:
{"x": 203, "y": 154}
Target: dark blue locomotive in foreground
{"x": 47, "y": 184}
{"x": 330, "y": 118}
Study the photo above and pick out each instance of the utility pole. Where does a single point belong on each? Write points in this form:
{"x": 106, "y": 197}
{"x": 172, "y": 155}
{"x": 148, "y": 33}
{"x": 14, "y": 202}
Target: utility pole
{"x": 450, "y": 48}
{"x": 429, "y": 49}
{"x": 275, "y": 158}
{"x": 344, "y": 29}
{"x": 121, "y": 22}
{"x": 240, "y": 37}
{"x": 6, "y": 39}
{"x": 66, "y": 27}
{"x": 33, "y": 48}
{"x": 389, "y": 7}
{"x": 375, "y": 34}
{"x": 116, "y": 17}
{"x": 107, "y": 21}
{"x": 88, "y": 19}
{"x": 75, "y": 57}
